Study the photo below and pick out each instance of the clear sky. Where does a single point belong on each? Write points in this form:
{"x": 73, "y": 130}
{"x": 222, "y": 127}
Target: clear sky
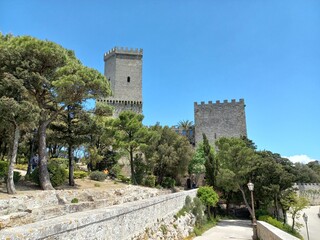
{"x": 267, "y": 52}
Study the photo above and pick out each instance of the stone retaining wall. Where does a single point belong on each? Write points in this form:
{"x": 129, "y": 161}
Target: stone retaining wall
{"x": 115, "y": 222}
{"x": 268, "y": 232}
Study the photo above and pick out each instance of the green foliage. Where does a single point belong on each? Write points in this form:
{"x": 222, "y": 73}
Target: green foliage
{"x": 16, "y": 176}
{"x": 62, "y": 162}
{"x": 198, "y": 212}
{"x": 58, "y": 175}
{"x": 74, "y": 200}
{"x": 130, "y": 135}
{"x": 3, "y": 168}
{"x": 124, "y": 179}
{"x": 197, "y": 164}
{"x": 21, "y": 166}
{"x": 115, "y": 170}
{"x": 199, "y": 230}
{"x": 211, "y": 162}
{"x": 97, "y": 185}
{"x": 80, "y": 174}
{"x": 97, "y": 176}
{"x": 140, "y": 168}
{"x": 150, "y": 181}
{"x": 168, "y": 182}
{"x": 280, "y": 225}
{"x": 207, "y": 196}
{"x": 168, "y": 154}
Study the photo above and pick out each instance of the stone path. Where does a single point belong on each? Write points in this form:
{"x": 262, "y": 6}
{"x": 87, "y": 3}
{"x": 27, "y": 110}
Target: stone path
{"x": 229, "y": 229}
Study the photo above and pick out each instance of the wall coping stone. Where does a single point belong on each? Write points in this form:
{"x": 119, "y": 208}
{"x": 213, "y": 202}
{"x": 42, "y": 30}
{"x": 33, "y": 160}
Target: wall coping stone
{"x": 268, "y": 232}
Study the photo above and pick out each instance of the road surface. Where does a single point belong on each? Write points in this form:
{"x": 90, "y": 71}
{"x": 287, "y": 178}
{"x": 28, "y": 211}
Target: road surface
{"x": 229, "y": 229}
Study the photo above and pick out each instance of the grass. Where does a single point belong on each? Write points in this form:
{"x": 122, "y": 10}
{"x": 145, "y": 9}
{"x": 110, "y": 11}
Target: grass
{"x": 198, "y": 231}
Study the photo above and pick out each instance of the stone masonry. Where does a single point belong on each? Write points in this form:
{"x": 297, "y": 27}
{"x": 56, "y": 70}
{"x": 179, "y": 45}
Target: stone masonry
{"x": 218, "y": 119}
{"x": 123, "y": 69}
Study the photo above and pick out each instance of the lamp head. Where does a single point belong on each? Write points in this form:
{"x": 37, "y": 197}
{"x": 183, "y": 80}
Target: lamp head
{"x": 250, "y": 186}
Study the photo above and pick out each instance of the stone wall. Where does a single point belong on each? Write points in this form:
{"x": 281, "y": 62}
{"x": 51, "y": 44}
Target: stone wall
{"x": 266, "y": 231}
{"x": 116, "y": 222}
{"x": 311, "y": 191}
{"x": 218, "y": 119}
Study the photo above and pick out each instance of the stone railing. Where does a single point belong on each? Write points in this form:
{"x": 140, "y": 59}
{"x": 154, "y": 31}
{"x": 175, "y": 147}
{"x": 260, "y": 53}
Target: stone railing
{"x": 115, "y": 222}
{"x": 268, "y": 232}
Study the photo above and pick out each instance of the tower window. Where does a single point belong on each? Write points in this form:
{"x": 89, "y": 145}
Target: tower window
{"x": 128, "y": 79}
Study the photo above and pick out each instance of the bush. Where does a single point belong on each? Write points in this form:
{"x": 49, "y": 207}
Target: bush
{"x": 3, "y": 168}
{"x": 150, "y": 181}
{"x": 97, "y": 176}
{"x": 168, "y": 182}
{"x": 198, "y": 212}
{"x": 74, "y": 200}
{"x": 280, "y": 225}
{"x": 80, "y": 174}
{"x": 115, "y": 170}
{"x": 21, "y": 167}
{"x": 62, "y": 162}
{"x": 16, "y": 176}
{"x": 58, "y": 175}
{"x": 124, "y": 179}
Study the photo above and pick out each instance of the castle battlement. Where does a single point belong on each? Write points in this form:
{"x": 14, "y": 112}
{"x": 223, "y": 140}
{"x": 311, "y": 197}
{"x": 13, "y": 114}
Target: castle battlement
{"x": 123, "y": 50}
{"x": 114, "y": 101}
{"x": 233, "y": 101}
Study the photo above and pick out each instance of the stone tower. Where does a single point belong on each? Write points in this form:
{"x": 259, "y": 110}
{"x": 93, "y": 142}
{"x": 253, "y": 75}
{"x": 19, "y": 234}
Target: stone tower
{"x": 218, "y": 119}
{"x": 123, "y": 68}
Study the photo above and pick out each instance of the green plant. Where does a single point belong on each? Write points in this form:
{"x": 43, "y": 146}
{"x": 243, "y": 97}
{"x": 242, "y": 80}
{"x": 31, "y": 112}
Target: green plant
{"x": 168, "y": 182}
{"x": 198, "y": 212}
{"x": 21, "y": 167}
{"x": 58, "y": 175}
{"x": 97, "y": 176}
{"x": 16, "y": 176}
{"x": 280, "y": 225}
{"x": 150, "y": 181}
{"x": 74, "y": 200}
{"x": 124, "y": 179}
{"x": 63, "y": 162}
{"x": 3, "y": 168}
{"x": 80, "y": 174}
{"x": 208, "y": 197}
{"x": 164, "y": 229}
{"x": 97, "y": 185}
{"x": 115, "y": 170}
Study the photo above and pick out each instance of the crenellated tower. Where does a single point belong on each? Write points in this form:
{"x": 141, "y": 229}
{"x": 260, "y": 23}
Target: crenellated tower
{"x": 219, "y": 119}
{"x": 123, "y": 69}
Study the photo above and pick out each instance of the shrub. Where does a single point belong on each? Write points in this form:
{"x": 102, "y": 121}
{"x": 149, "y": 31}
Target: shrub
{"x": 168, "y": 182}
{"x": 198, "y": 212}
{"x": 115, "y": 170}
{"x": 63, "y": 162}
{"x": 16, "y": 176}
{"x": 150, "y": 181}
{"x": 21, "y": 167}
{"x": 97, "y": 185}
{"x": 124, "y": 179}
{"x": 80, "y": 174}
{"x": 3, "y": 168}
{"x": 97, "y": 176}
{"x": 58, "y": 175}
{"x": 280, "y": 225}
{"x": 74, "y": 200}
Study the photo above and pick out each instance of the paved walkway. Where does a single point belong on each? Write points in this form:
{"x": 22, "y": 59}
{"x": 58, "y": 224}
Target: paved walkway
{"x": 229, "y": 229}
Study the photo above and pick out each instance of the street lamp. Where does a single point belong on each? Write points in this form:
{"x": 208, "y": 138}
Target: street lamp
{"x": 305, "y": 218}
{"x": 254, "y": 221}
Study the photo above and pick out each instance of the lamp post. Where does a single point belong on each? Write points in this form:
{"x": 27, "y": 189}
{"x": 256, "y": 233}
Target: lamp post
{"x": 305, "y": 218}
{"x": 254, "y": 221}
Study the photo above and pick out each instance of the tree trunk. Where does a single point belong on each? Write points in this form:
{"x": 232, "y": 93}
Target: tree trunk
{"x": 43, "y": 161}
{"x": 71, "y": 165}
{"x": 10, "y": 184}
{"x": 133, "y": 179}
{"x": 246, "y": 202}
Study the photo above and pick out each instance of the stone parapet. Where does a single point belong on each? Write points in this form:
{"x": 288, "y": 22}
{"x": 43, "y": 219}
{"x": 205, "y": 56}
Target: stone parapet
{"x": 115, "y": 222}
{"x": 266, "y": 231}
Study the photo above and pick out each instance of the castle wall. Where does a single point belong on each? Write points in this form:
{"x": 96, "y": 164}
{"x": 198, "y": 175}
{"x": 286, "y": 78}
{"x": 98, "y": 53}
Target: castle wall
{"x": 218, "y": 120}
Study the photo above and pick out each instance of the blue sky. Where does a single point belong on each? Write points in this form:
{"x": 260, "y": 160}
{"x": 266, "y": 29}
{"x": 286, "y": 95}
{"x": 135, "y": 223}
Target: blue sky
{"x": 267, "y": 52}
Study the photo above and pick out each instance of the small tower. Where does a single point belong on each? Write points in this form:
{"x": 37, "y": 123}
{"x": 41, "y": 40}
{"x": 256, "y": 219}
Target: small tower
{"x": 123, "y": 68}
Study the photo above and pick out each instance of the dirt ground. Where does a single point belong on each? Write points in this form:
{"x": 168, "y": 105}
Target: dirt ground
{"x": 27, "y": 187}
